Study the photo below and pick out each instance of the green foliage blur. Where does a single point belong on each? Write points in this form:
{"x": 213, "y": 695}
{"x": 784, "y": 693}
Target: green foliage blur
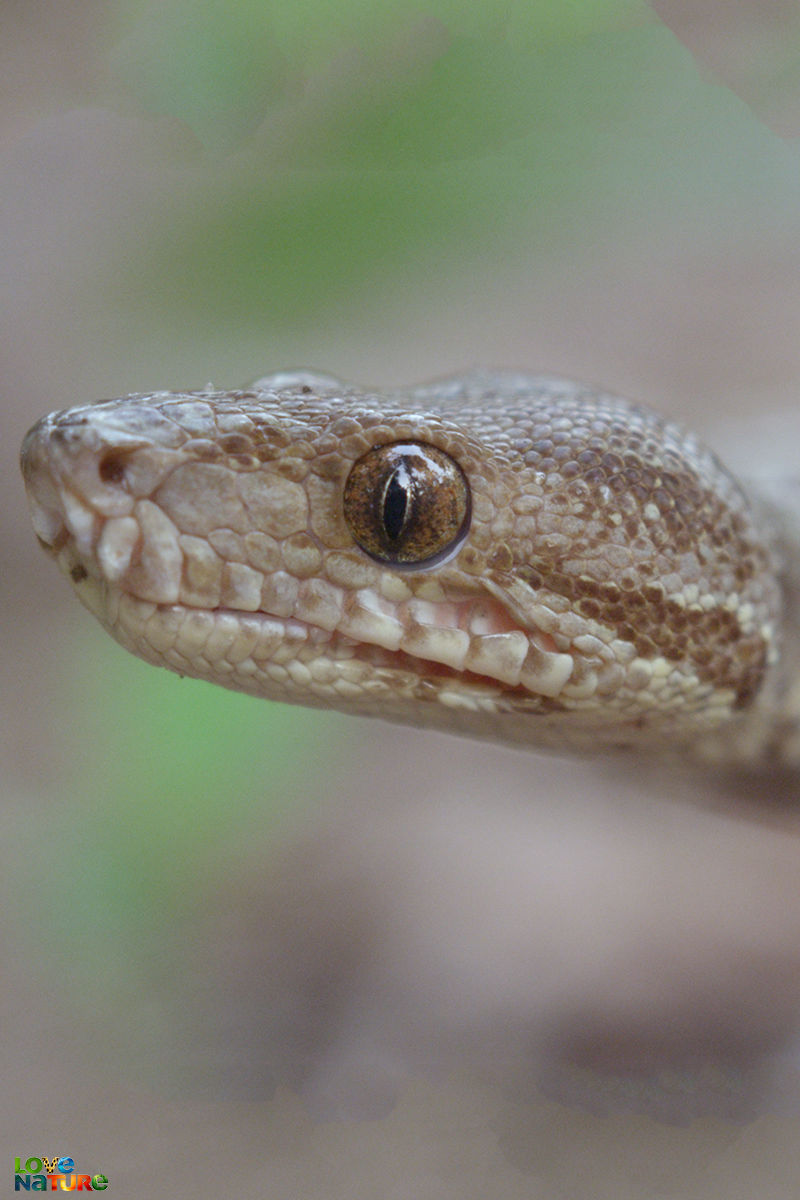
{"x": 344, "y": 145}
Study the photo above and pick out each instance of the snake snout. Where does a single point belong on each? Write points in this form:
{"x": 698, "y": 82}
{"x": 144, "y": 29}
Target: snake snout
{"x": 47, "y": 513}
{"x": 74, "y": 479}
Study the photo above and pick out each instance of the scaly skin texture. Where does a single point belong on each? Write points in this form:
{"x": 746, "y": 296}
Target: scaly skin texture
{"x": 613, "y": 588}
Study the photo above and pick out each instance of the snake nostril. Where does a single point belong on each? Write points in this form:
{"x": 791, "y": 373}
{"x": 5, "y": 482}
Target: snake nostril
{"x": 112, "y": 467}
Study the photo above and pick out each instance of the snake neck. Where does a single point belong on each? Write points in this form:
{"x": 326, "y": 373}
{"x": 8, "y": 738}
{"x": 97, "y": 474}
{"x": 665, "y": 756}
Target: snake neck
{"x": 767, "y": 738}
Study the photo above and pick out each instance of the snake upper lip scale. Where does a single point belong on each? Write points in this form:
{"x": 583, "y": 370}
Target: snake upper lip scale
{"x": 516, "y": 557}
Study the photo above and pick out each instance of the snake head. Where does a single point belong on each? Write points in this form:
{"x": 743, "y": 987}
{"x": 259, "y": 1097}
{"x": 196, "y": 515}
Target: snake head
{"x": 514, "y": 557}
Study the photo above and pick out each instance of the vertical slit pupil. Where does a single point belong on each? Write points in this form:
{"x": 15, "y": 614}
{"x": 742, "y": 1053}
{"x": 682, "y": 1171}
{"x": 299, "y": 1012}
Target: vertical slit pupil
{"x": 395, "y": 504}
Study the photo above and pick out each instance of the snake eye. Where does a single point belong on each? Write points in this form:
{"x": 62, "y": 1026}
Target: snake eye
{"x": 407, "y": 504}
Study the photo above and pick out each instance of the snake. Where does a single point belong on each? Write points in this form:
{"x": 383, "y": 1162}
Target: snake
{"x": 496, "y": 554}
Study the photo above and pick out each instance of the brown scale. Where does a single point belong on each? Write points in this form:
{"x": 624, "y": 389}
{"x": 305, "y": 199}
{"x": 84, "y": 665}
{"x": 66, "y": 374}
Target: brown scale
{"x": 692, "y": 519}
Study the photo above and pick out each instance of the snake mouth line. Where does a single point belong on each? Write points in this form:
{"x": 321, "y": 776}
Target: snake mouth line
{"x": 337, "y": 647}
{"x": 424, "y": 669}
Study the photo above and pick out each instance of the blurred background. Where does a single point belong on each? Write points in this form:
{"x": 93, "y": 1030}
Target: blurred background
{"x": 387, "y": 191}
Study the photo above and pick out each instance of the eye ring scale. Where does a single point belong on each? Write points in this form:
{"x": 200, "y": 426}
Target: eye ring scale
{"x": 407, "y": 504}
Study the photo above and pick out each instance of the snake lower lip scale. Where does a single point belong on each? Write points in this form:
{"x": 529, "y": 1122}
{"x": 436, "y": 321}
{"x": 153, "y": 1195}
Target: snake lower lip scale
{"x": 510, "y": 556}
